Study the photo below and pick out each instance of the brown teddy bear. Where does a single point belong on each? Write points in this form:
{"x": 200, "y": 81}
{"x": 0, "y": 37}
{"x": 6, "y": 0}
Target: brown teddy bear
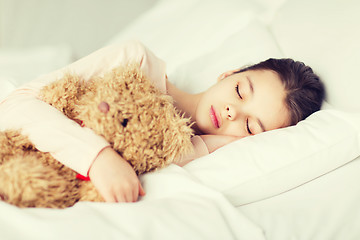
{"x": 124, "y": 107}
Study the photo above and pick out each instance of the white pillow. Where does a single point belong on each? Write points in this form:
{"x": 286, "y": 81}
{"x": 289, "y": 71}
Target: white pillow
{"x": 248, "y": 45}
{"x": 262, "y": 166}
{"x": 324, "y": 209}
{"x": 265, "y": 165}
{"x": 180, "y": 31}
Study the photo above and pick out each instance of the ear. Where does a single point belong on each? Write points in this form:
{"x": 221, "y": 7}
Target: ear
{"x": 226, "y": 74}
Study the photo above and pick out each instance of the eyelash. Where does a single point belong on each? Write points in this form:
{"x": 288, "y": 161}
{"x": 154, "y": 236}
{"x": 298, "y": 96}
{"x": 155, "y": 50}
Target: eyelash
{"x": 237, "y": 91}
{"x": 247, "y": 126}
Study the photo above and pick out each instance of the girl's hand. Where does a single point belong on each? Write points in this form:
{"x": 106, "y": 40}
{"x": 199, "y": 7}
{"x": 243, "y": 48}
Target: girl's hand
{"x": 114, "y": 178}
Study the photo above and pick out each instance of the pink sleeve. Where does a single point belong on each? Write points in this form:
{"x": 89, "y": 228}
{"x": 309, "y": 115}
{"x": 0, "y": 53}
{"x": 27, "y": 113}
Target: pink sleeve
{"x": 199, "y": 146}
{"x": 53, "y": 132}
{"x": 200, "y": 149}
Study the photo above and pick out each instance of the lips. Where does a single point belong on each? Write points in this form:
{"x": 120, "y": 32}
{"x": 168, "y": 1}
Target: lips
{"x": 214, "y": 118}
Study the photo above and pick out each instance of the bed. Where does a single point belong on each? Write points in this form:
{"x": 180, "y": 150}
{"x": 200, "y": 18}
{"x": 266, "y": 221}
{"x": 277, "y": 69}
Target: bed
{"x": 300, "y": 182}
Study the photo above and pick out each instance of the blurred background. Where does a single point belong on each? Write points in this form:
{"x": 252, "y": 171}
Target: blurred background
{"x": 39, "y": 36}
{"x": 80, "y": 25}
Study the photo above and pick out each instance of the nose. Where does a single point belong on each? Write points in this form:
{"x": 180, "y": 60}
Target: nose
{"x": 104, "y": 107}
{"x": 231, "y": 113}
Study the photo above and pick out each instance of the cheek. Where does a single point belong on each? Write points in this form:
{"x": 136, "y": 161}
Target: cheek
{"x": 203, "y": 106}
{"x": 201, "y": 117}
{"x": 234, "y": 129}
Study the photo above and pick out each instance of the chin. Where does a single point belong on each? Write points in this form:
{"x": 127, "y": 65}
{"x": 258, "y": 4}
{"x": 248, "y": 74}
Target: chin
{"x": 208, "y": 131}
{"x": 200, "y": 130}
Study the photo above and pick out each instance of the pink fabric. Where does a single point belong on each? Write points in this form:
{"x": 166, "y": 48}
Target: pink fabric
{"x": 53, "y": 132}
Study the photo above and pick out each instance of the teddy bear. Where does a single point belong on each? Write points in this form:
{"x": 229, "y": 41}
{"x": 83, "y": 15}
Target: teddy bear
{"x": 124, "y": 107}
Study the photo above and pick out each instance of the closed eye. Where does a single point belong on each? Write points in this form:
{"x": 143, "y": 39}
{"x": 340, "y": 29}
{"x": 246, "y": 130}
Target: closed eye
{"x": 247, "y": 127}
{"x": 237, "y": 91}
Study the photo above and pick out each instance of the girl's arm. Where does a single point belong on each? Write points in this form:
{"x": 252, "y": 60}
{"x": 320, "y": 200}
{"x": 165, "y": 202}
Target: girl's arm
{"x": 214, "y": 142}
{"x": 53, "y": 132}
{"x": 205, "y": 144}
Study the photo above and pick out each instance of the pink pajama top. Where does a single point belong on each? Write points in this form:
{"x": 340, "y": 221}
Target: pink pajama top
{"x": 51, "y": 131}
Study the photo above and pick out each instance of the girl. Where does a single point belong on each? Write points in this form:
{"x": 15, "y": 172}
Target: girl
{"x": 272, "y": 94}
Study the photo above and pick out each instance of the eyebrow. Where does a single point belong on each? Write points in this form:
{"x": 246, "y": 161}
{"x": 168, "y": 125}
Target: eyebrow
{"x": 251, "y": 85}
{"x": 261, "y": 125}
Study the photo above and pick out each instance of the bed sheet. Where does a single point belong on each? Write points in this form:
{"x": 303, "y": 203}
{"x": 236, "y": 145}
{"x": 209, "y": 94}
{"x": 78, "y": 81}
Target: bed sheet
{"x": 176, "y": 206}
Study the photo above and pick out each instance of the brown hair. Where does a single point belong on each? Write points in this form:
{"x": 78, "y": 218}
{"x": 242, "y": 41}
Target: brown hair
{"x": 305, "y": 91}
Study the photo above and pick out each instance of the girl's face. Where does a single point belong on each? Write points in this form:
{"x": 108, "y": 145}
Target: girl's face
{"x": 243, "y": 104}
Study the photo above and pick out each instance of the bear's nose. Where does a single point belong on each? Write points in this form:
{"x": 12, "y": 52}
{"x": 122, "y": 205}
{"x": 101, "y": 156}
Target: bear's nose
{"x": 104, "y": 107}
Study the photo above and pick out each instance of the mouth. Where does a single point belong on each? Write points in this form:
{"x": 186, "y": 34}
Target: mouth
{"x": 214, "y": 118}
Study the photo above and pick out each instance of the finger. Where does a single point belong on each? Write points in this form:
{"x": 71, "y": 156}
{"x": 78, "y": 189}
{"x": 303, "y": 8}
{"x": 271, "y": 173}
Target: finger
{"x": 127, "y": 193}
{"x": 135, "y": 195}
{"x": 141, "y": 190}
{"x": 109, "y": 197}
{"x": 129, "y": 196}
{"x": 120, "y": 197}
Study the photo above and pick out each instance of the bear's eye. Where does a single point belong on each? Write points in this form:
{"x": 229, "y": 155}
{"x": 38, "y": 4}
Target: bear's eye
{"x": 124, "y": 122}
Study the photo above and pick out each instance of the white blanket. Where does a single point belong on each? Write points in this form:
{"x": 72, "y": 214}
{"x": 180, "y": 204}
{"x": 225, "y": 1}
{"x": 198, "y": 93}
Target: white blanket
{"x": 176, "y": 207}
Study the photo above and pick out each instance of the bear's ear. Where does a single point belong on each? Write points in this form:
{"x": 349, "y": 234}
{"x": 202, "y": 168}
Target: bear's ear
{"x": 104, "y": 107}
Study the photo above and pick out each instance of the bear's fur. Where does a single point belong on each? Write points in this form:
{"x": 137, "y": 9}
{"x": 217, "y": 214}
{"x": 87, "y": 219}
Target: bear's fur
{"x": 122, "y": 106}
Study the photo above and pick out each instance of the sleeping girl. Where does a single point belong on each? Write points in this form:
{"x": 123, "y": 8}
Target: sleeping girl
{"x": 272, "y": 94}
